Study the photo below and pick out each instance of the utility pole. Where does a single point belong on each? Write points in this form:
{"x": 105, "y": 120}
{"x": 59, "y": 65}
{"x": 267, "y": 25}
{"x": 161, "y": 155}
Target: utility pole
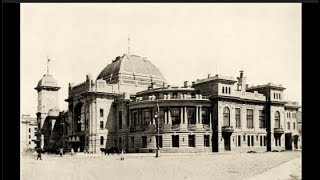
{"x": 158, "y": 129}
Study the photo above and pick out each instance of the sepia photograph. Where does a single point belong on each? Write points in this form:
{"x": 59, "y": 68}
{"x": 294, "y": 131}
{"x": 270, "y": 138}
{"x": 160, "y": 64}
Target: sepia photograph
{"x": 175, "y": 91}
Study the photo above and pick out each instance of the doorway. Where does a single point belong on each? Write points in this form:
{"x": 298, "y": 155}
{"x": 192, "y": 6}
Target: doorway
{"x": 288, "y": 140}
{"x": 227, "y": 145}
{"x": 295, "y": 141}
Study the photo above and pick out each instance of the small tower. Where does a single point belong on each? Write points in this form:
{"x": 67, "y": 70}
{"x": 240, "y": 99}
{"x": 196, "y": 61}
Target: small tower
{"x": 47, "y": 89}
{"x": 241, "y": 86}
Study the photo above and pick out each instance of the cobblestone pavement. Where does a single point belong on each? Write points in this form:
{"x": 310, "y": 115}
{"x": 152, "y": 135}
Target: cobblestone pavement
{"x": 220, "y": 166}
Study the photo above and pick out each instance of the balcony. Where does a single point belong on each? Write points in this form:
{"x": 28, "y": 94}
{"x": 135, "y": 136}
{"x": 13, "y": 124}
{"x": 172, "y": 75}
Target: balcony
{"x": 206, "y": 127}
{"x": 175, "y": 127}
{"x": 227, "y": 129}
{"x": 278, "y": 130}
{"x": 192, "y": 127}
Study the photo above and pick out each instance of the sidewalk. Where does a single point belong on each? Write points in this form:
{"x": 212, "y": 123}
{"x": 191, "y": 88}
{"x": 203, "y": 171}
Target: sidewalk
{"x": 290, "y": 170}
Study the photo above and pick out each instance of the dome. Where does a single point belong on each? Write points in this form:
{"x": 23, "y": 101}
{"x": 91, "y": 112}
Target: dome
{"x": 47, "y": 81}
{"x": 131, "y": 67}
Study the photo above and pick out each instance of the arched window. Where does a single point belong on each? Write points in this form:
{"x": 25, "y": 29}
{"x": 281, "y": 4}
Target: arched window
{"x": 226, "y": 116}
{"x": 288, "y": 125}
{"x": 101, "y": 140}
{"x": 277, "y": 119}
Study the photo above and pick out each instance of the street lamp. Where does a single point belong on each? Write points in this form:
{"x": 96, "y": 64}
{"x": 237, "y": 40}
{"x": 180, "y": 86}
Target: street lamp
{"x": 158, "y": 129}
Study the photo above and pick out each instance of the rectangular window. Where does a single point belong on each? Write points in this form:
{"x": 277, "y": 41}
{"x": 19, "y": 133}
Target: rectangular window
{"x": 206, "y": 140}
{"x": 161, "y": 116}
{"x": 132, "y": 142}
{"x": 239, "y": 140}
{"x": 264, "y": 140}
{"x": 29, "y": 142}
{"x": 238, "y": 121}
{"x": 135, "y": 118}
{"x": 101, "y": 124}
{"x": 248, "y": 140}
{"x": 160, "y": 141}
{"x": 262, "y": 122}
{"x": 191, "y": 115}
{"x": 101, "y": 112}
{"x": 250, "y": 118}
{"x": 120, "y": 119}
{"x": 205, "y": 116}
{"x": 29, "y": 136}
{"x": 261, "y": 141}
{"x": 252, "y": 140}
{"x": 29, "y": 129}
{"x": 146, "y": 117}
{"x": 175, "y": 140}
{"x": 191, "y": 141}
{"x": 294, "y": 125}
{"x": 175, "y": 116}
{"x": 144, "y": 142}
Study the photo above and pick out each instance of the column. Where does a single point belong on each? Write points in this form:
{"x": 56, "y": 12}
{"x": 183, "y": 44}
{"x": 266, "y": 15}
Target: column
{"x": 197, "y": 115}
{"x": 200, "y": 115}
{"x": 181, "y": 116}
{"x": 165, "y": 115}
{"x": 169, "y": 116}
{"x": 185, "y": 115}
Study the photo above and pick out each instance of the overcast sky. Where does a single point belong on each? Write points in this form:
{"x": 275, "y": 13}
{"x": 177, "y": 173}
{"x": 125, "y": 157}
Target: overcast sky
{"x": 185, "y": 41}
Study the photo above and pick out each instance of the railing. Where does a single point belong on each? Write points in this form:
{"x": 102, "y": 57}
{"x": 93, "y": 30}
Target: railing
{"x": 278, "y": 130}
{"x": 206, "y": 127}
{"x": 175, "y": 127}
{"x": 227, "y": 129}
{"x": 192, "y": 127}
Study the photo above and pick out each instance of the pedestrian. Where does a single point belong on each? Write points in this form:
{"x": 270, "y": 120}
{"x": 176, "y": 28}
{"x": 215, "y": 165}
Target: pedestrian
{"x": 61, "y": 152}
{"x": 39, "y": 153}
{"x": 72, "y": 152}
{"x": 79, "y": 149}
{"x": 122, "y": 155}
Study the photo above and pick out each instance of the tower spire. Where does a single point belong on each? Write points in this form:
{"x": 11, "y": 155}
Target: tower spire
{"x": 129, "y": 44}
{"x": 48, "y": 60}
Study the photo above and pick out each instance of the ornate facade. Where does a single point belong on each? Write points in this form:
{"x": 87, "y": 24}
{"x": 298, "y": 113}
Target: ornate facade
{"x": 214, "y": 114}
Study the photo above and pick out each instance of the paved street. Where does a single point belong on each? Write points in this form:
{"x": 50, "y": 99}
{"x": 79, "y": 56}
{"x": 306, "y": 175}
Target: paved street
{"x": 218, "y": 166}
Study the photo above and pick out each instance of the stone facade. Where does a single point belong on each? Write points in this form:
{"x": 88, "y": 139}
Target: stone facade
{"x": 124, "y": 105}
{"x": 28, "y": 133}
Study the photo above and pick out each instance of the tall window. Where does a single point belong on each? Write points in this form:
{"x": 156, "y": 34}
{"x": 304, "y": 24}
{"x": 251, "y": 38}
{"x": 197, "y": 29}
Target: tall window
{"x": 175, "y": 116}
{"x": 262, "y": 122}
{"x": 101, "y": 112}
{"x": 144, "y": 141}
{"x": 249, "y": 118}
{"x": 135, "y": 118}
{"x": 192, "y": 141}
{"x": 288, "y": 125}
{"x": 277, "y": 119}
{"x": 226, "y": 116}
{"x": 161, "y": 116}
{"x": 175, "y": 140}
{"x": 261, "y": 142}
{"x": 248, "y": 141}
{"x": 191, "y": 115}
{"x": 222, "y": 89}
{"x": 101, "y": 140}
{"x": 294, "y": 125}
{"x": 29, "y": 129}
{"x": 239, "y": 140}
{"x": 160, "y": 141}
{"x": 120, "y": 119}
{"x": 205, "y": 116}
{"x": 252, "y": 140}
{"x": 238, "y": 120}
{"x": 206, "y": 140}
{"x": 132, "y": 142}
{"x": 146, "y": 117}
{"x": 101, "y": 124}
{"x": 229, "y": 90}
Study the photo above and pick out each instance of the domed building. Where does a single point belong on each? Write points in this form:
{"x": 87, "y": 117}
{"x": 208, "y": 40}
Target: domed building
{"x": 121, "y": 108}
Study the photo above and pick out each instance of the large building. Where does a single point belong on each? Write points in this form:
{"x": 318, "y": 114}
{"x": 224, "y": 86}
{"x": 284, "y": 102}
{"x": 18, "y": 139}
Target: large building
{"x": 214, "y": 114}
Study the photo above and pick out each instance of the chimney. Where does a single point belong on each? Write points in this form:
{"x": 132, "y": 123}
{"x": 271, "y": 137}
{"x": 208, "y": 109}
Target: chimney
{"x": 209, "y": 75}
{"x": 241, "y": 86}
{"x": 165, "y": 85}
{"x": 193, "y": 82}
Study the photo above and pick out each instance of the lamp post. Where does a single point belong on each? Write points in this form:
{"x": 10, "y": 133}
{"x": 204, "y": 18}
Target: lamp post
{"x": 158, "y": 129}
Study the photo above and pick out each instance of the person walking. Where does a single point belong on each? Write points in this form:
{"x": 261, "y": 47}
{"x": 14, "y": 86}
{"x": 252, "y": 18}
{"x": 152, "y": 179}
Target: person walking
{"x": 61, "y": 152}
{"x": 122, "y": 155}
{"x": 39, "y": 153}
{"x": 72, "y": 152}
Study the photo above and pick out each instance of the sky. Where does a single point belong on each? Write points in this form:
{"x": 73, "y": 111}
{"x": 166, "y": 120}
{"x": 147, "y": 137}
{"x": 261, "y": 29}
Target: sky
{"x": 185, "y": 41}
